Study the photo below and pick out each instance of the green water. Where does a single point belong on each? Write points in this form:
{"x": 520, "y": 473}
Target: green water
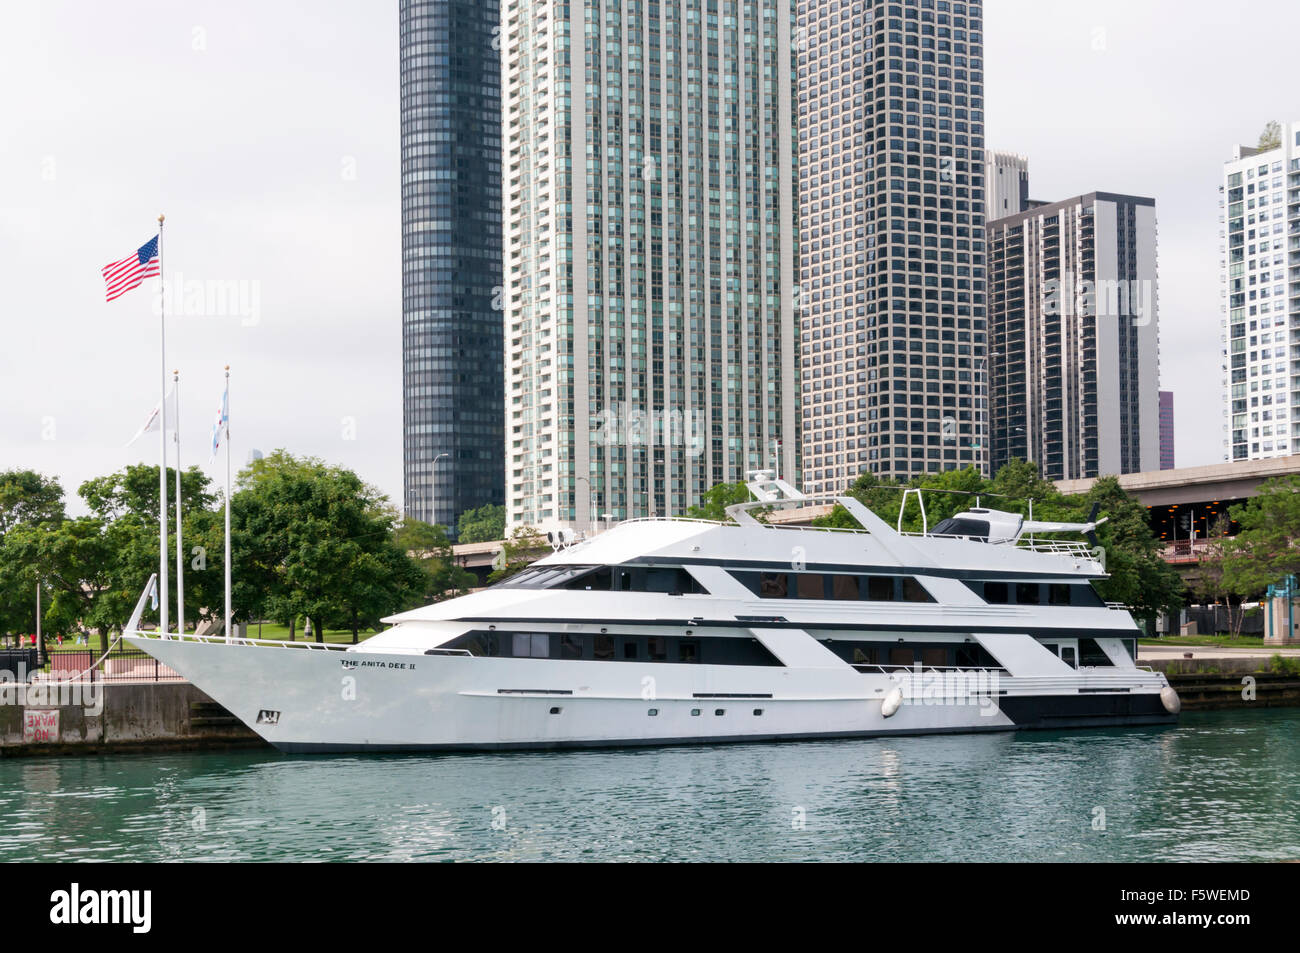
{"x": 1220, "y": 786}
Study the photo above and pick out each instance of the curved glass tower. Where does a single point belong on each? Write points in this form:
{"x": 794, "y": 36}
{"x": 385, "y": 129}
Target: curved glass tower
{"x": 452, "y": 382}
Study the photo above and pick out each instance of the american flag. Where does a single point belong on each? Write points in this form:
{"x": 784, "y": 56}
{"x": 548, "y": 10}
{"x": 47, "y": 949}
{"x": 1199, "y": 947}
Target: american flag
{"x": 121, "y": 276}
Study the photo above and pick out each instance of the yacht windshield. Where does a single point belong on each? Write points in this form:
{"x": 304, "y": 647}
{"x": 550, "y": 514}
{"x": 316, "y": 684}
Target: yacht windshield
{"x": 957, "y": 526}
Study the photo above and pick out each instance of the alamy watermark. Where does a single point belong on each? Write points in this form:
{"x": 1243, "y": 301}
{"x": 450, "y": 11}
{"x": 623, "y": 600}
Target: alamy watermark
{"x": 922, "y": 686}
{"x": 210, "y": 298}
{"x": 1109, "y": 298}
{"x": 624, "y": 425}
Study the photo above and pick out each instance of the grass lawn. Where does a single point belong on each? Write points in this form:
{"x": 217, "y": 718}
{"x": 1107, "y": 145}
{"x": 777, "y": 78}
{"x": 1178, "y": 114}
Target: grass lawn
{"x": 1222, "y": 640}
{"x": 272, "y": 630}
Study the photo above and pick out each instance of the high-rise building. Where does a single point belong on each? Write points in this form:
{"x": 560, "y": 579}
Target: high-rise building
{"x": 891, "y": 230}
{"x": 1074, "y": 354}
{"x": 650, "y": 254}
{"x": 451, "y": 258}
{"x": 1261, "y": 291}
{"x": 1166, "y": 430}
{"x": 1006, "y": 184}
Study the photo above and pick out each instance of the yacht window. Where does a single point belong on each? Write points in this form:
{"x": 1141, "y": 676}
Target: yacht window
{"x": 934, "y": 657}
{"x": 629, "y": 649}
{"x": 688, "y": 651}
{"x": 1027, "y": 593}
{"x": 1091, "y": 654}
{"x": 864, "y": 655}
{"x": 570, "y": 646}
{"x": 657, "y": 648}
{"x": 603, "y": 647}
{"x": 1067, "y": 655}
{"x": 901, "y": 655}
{"x": 845, "y": 587}
{"x": 532, "y": 645}
{"x": 596, "y": 579}
{"x": 996, "y": 592}
{"x": 913, "y": 591}
{"x": 810, "y": 585}
{"x": 1058, "y": 594}
{"x": 772, "y": 585}
{"x": 880, "y": 588}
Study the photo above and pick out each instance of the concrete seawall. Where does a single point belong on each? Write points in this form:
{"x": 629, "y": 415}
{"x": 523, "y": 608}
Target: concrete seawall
{"x": 1211, "y": 684}
{"x": 115, "y": 716}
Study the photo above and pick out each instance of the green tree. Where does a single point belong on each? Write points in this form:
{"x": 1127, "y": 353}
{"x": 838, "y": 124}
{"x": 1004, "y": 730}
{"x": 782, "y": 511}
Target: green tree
{"x": 427, "y": 545}
{"x": 482, "y": 525}
{"x": 714, "y": 504}
{"x": 523, "y": 548}
{"x": 1271, "y": 137}
{"x": 314, "y": 540}
{"x": 28, "y": 497}
{"x": 1267, "y": 546}
{"x": 1138, "y": 576}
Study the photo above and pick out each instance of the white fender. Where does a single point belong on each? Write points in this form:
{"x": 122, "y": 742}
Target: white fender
{"x": 892, "y": 702}
{"x": 1169, "y": 698}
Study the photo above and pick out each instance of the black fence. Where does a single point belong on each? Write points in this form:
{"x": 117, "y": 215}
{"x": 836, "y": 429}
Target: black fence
{"x": 124, "y": 663}
{"x": 1211, "y": 620}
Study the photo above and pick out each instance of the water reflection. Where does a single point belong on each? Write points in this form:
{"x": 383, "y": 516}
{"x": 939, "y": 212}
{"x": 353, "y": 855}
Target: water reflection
{"x": 1219, "y": 786}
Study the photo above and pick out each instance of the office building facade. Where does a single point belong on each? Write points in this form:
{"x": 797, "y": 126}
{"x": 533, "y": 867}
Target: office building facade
{"x": 891, "y": 228}
{"x": 1166, "y": 430}
{"x": 1074, "y": 357}
{"x": 650, "y": 254}
{"x": 451, "y": 258}
{"x": 1261, "y": 300}
{"x": 1006, "y": 184}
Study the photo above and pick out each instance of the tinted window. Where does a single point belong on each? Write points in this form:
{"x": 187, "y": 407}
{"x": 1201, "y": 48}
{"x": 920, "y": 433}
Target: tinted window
{"x": 995, "y": 592}
{"x": 880, "y": 588}
{"x": 810, "y": 585}
{"x": 1058, "y": 594}
{"x": 657, "y": 648}
{"x": 934, "y": 657}
{"x": 901, "y": 656}
{"x": 772, "y": 585}
{"x": 1027, "y": 593}
{"x": 570, "y": 646}
{"x": 913, "y": 591}
{"x": 844, "y": 587}
{"x": 603, "y": 647}
{"x": 978, "y": 529}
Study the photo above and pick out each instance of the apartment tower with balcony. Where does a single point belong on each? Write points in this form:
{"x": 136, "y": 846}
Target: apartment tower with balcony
{"x": 649, "y": 182}
{"x": 1074, "y": 360}
{"x": 1261, "y": 300}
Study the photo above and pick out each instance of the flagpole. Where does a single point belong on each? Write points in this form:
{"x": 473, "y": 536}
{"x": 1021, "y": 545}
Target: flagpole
{"x": 229, "y": 632}
{"x": 180, "y": 547}
{"x": 162, "y": 439}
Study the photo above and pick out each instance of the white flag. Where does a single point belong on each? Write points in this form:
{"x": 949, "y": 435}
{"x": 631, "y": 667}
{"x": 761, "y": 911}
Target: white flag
{"x": 151, "y": 424}
{"x": 222, "y": 423}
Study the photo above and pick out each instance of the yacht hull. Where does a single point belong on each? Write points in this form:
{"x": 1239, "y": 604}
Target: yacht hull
{"x": 303, "y": 699}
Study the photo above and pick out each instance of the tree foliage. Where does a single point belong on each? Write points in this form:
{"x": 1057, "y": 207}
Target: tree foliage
{"x": 1267, "y": 547}
{"x": 482, "y": 524}
{"x": 307, "y": 539}
{"x": 1271, "y": 136}
{"x": 524, "y": 547}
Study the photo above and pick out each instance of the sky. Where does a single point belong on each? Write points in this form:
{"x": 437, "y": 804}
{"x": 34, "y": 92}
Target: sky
{"x": 267, "y": 132}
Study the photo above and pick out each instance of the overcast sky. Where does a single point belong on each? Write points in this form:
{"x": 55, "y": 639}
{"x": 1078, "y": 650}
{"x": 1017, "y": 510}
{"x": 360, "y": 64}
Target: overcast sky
{"x": 268, "y": 133}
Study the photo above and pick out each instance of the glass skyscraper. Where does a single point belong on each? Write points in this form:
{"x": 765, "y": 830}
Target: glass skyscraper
{"x": 891, "y": 229}
{"x": 649, "y": 178}
{"x": 452, "y": 388}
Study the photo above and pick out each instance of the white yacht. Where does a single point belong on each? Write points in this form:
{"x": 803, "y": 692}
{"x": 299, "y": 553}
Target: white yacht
{"x": 666, "y": 631}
